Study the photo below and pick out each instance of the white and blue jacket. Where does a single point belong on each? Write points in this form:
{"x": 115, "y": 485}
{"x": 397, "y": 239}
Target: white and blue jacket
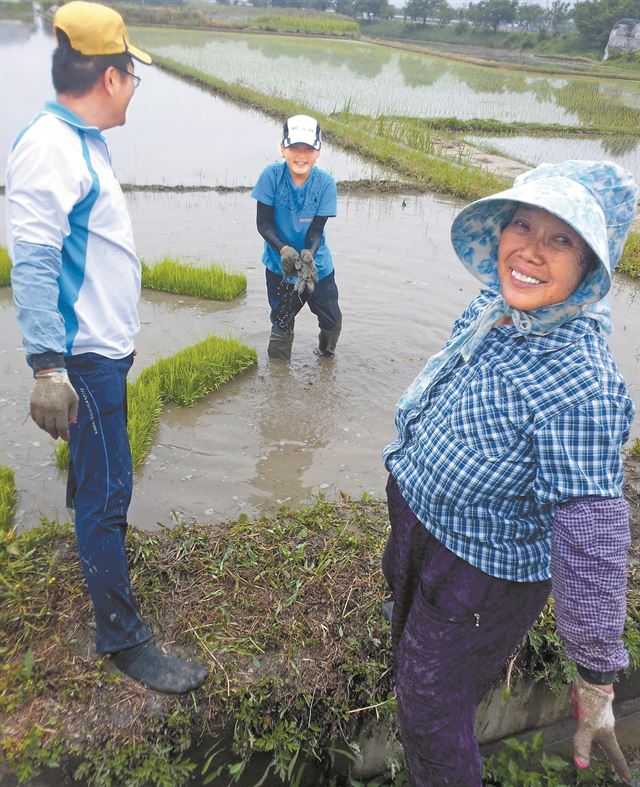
{"x": 75, "y": 276}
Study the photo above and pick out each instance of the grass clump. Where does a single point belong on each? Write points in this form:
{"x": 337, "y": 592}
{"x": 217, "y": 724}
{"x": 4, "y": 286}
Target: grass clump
{"x": 284, "y": 610}
{"x": 211, "y": 282}
{"x": 195, "y": 371}
{"x": 181, "y": 380}
{"x": 8, "y": 498}
{"x": 630, "y": 260}
{"x": 5, "y": 268}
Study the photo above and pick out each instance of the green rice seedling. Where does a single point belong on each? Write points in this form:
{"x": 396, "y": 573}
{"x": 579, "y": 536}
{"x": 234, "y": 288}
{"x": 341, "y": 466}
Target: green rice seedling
{"x": 181, "y": 379}
{"x": 144, "y": 405}
{"x": 8, "y": 498}
{"x": 630, "y": 260}
{"x": 5, "y": 267}
{"x": 195, "y": 371}
{"x": 212, "y": 282}
{"x": 61, "y": 455}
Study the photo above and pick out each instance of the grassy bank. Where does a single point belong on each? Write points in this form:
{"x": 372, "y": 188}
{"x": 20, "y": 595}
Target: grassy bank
{"x": 180, "y": 380}
{"x": 243, "y": 18}
{"x": 284, "y": 610}
{"x": 8, "y": 498}
{"x": 568, "y": 47}
{"x": 5, "y": 268}
{"x": 630, "y": 260}
{"x": 211, "y": 282}
{"x": 21, "y": 11}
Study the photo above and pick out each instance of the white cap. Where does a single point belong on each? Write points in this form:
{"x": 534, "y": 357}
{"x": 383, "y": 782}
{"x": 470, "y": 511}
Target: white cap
{"x": 302, "y": 129}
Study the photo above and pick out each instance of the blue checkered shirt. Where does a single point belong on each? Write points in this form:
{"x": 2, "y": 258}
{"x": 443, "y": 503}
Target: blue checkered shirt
{"x": 494, "y": 444}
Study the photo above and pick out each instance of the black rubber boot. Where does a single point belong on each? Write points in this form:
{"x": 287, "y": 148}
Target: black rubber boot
{"x": 280, "y": 345}
{"x": 148, "y": 665}
{"x": 327, "y": 341}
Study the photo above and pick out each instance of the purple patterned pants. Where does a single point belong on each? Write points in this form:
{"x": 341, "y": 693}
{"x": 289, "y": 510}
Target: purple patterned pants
{"x": 453, "y": 628}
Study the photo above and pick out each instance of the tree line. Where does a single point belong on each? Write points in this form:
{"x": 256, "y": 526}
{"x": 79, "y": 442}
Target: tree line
{"x": 593, "y": 19}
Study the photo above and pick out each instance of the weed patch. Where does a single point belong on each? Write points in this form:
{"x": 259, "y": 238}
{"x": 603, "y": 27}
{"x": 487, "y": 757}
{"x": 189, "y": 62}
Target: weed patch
{"x": 285, "y": 611}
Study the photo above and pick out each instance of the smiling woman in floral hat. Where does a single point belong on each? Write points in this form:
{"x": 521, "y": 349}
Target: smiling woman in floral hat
{"x": 506, "y": 476}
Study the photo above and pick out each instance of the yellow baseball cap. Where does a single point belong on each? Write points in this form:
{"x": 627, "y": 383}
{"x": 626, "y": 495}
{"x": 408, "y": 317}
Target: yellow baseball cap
{"x": 95, "y": 29}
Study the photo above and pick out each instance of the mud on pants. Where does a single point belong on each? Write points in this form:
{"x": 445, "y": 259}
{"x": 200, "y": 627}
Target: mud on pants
{"x": 285, "y": 304}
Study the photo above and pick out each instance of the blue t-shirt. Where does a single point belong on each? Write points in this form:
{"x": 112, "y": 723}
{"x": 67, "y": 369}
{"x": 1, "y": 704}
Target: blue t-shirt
{"x": 294, "y": 209}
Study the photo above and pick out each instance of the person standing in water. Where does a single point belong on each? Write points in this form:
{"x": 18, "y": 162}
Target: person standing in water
{"x": 295, "y": 198}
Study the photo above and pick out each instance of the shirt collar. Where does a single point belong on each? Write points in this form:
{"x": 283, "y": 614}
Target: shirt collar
{"x": 564, "y": 335}
{"x": 64, "y": 113}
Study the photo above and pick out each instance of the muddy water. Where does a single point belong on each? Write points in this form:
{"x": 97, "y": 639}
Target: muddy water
{"x": 278, "y": 434}
{"x": 176, "y": 134}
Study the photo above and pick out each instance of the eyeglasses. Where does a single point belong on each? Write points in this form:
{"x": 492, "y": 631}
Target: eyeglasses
{"x": 135, "y": 77}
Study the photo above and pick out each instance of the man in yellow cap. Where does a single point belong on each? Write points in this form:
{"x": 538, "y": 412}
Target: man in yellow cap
{"x": 76, "y": 284}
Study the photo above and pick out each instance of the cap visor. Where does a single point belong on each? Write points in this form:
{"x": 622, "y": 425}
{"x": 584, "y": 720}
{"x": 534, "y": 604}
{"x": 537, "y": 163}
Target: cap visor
{"x": 143, "y": 57}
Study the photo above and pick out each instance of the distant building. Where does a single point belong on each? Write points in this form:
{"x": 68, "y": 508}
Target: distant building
{"x": 624, "y": 36}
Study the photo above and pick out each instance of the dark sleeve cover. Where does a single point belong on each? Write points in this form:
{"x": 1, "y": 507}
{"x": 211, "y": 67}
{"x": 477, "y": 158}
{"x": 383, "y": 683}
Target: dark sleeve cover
{"x": 588, "y": 570}
{"x": 266, "y": 225}
{"x": 313, "y": 238}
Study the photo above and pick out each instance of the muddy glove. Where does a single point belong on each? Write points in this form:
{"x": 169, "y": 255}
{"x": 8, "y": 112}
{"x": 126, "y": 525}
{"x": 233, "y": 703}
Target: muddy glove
{"x": 592, "y": 708}
{"x": 289, "y": 259}
{"x": 306, "y": 270}
{"x": 54, "y": 402}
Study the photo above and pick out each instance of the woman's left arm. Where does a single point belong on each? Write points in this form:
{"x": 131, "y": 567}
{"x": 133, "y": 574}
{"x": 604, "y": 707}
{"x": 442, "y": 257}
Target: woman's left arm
{"x": 589, "y": 575}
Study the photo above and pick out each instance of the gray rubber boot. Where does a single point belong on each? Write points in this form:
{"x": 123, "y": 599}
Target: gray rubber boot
{"x": 327, "y": 341}
{"x": 280, "y": 345}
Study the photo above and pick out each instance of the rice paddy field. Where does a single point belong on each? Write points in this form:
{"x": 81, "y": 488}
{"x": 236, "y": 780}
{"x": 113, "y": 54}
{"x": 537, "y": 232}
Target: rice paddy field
{"x": 535, "y": 150}
{"x": 221, "y": 433}
{"x": 368, "y": 79}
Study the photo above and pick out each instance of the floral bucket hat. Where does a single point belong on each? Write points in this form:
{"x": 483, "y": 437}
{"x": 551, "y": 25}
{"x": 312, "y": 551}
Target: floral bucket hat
{"x": 598, "y": 199}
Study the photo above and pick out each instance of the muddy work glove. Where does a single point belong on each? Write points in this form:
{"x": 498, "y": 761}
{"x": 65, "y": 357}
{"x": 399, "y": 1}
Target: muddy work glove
{"x": 308, "y": 275}
{"x": 592, "y": 707}
{"x": 54, "y": 402}
{"x": 290, "y": 260}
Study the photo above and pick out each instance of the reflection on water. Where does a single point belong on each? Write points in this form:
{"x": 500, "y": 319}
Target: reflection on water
{"x": 209, "y": 142}
{"x": 371, "y": 79}
{"x": 278, "y": 434}
{"x": 534, "y": 150}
